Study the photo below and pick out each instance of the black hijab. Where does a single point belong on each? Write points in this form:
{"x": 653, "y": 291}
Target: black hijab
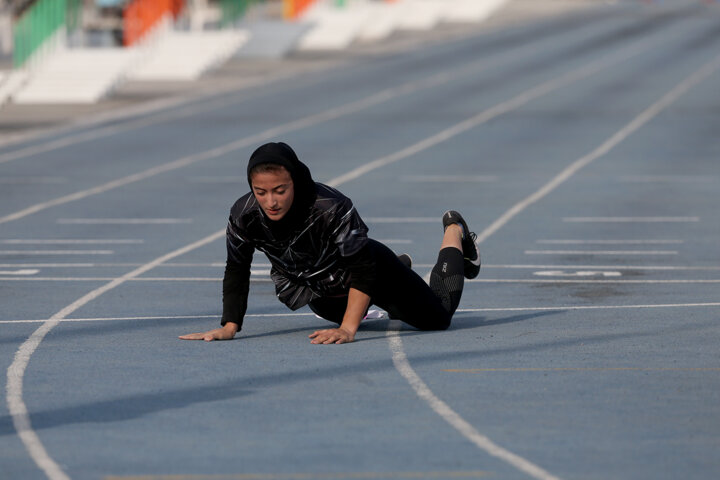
{"x": 305, "y": 191}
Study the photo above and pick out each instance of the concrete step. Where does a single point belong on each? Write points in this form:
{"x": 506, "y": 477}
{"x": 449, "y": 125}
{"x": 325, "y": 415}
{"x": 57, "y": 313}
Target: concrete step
{"x": 333, "y": 28}
{"x": 10, "y": 82}
{"x": 76, "y": 76}
{"x": 186, "y": 55}
{"x": 470, "y": 10}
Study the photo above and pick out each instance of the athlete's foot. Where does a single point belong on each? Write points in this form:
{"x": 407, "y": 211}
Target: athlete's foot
{"x": 405, "y": 260}
{"x": 470, "y": 250}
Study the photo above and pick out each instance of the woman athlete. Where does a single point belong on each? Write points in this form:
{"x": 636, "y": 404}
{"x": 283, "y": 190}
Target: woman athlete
{"x": 322, "y": 257}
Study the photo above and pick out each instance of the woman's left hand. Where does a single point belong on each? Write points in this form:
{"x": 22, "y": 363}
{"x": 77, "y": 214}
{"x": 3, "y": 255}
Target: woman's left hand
{"x": 332, "y": 335}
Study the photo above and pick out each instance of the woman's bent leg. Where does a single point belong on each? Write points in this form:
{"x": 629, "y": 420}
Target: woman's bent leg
{"x": 447, "y": 278}
{"x": 405, "y": 295}
{"x": 330, "y": 308}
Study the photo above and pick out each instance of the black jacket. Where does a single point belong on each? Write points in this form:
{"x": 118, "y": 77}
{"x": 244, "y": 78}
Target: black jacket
{"x": 316, "y": 250}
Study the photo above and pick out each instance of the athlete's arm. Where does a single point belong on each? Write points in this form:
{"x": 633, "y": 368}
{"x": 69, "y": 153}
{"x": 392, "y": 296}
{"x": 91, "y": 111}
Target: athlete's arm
{"x": 236, "y": 283}
{"x": 358, "y": 303}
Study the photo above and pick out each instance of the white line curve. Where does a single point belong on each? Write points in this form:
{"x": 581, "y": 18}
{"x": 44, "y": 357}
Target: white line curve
{"x": 400, "y": 359}
{"x": 15, "y": 372}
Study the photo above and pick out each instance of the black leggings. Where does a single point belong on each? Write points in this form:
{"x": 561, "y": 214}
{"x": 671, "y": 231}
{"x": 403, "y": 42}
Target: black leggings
{"x": 404, "y": 294}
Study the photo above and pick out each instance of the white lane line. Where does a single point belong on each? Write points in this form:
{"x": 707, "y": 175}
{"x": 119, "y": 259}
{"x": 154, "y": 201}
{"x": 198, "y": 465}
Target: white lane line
{"x": 400, "y": 219}
{"x": 610, "y": 242}
{"x": 396, "y": 241}
{"x": 417, "y": 266}
{"x": 403, "y": 366}
{"x": 630, "y": 219}
{"x": 70, "y": 241}
{"x": 399, "y": 356}
{"x": 582, "y": 369}
{"x": 648, "y": 114}
{"x": 107, "y": 279}
{"x": 343, "y": 110}
{"x": 609, "y": 267}
{"x": 227, "y": 179}
{"x": 449, "y": 178}
{"x": 264, "y": 276}
{"x": 122, "y": 221}
{"x": 161, "y": 317}
{"x": 16, "y": 371}
{"x": 252, "y": 140}
{"x": 193, "y": 105}
{"x": 461, "y": 310}
{"x": 18, "y": 410}
{"x": 67, "y": 265}
{"x": 199, "y": 101}
{"x": 56, "y": 252}
{"x": 122, "y": 264}
{"x": 496, "y": 111}
{"x": 668, "y": 179}
{"x": 29, "y": 271}
{"x": 579, "y": 273}
{"x": 537, "y": 280}
{"x": 256, "y": 276}
{"x": 589, "y": 307}
{"x": 32, "y": 180}
{"x": 601, "y": 252}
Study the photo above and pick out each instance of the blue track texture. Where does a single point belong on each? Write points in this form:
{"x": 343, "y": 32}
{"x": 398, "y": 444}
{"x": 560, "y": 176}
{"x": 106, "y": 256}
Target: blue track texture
{"x": 589, "y": 346}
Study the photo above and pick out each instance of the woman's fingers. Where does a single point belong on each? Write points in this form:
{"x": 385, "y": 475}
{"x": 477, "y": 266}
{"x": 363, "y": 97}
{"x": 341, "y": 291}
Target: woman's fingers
{"x": 326, "y": 337}
{"x": 192, "y": 336}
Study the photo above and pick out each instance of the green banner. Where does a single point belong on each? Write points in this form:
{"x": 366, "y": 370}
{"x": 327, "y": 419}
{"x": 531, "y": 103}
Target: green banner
{"x": 233, "y": 10}
{"x": 40, "y": 23}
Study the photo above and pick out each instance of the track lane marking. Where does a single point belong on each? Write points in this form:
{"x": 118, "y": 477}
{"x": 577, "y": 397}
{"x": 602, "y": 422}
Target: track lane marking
{"x": 310, "y": 476}
{"x": 601, "y": 252}
{"x": 32, "y": 180}
{"x": 667, "y": 179}
{"x": 502, "y": 108}
{"x": 610, "y": 242}
{"x": 417, "y": 265}
{"x": 56, "y": 252}
{"x": 448, "y": 178}
{"x": 631, "y": 219}
{"x": 639, "y": 121}
{"x": 399, "y": 357}
{"x": 583, "y": 369}
{"x": 398, "y": 219}
{"x": 264, "y": 276}
{"x": 558, "y": 308}
{"x": 15, "y": 373}
{"x": 192, "y": 103}
{"x": 70, "y": 241}
{"x": 560, "y": 281}
{"x": 14, "y": 388}
{"x": 122, "y": 221}
{"x": 265, "y": 135}
{"x": 19, "y": 272}
{"x": 589, "y": 307}
{"x": 402, "y": 364}
{"x": 352, "y": 107}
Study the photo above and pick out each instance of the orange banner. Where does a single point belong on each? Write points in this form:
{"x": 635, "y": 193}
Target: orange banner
{"x": 293, "y": 8}
{"x": 140, "y": 16}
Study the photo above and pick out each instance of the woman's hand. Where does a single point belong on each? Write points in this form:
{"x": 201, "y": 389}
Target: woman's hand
{"x": 332, "y": 335}
{"x": 226, "y": 332}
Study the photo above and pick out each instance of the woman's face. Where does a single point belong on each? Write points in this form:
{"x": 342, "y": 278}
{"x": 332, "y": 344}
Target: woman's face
{"x": 274, "y": 191}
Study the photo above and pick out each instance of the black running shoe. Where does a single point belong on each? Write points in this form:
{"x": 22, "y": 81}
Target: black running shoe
{"x": 405, "y": 260}
{"x": 469, "y": 247}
